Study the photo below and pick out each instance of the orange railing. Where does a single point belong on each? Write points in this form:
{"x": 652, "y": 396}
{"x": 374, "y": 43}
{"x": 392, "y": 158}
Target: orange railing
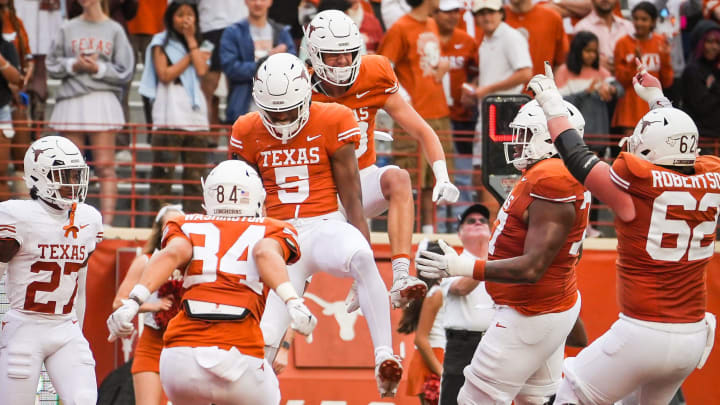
{"x": 136, "y": 185}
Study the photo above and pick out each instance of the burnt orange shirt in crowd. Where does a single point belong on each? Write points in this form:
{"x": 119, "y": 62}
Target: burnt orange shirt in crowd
{"x": 414, "y": 48}
{"x": 545, "y": 32}
{"x": 149, "y": 17}
{"x": 298, "y": 175}
{"x": 664, "y": 251}
{"x": 375, "y": 83}
{"x": 556, "y": 291}
{"x": 21, "y": 37}
{"x": 655, "y": 54}
{"x": 209, "y": 278}
{"x": 462, "y": 52}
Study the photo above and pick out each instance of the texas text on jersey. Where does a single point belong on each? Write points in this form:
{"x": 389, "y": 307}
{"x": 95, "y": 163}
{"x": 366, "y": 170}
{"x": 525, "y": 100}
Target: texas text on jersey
{"x": 223, "y": 272}
{"x": 43, "y": 275}
{"x": 556, "y": 291}
{"x": 297, "y": 175}
{"x": 668, "y": 244}
{"x": 376, "y": 81}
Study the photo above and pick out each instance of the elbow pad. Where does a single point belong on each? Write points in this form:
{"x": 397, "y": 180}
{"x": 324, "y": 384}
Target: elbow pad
{"x": 578, "y": 158}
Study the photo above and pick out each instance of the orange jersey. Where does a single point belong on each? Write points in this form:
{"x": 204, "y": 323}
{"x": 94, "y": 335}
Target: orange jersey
{"x": 663, "y": 252}
{"x": 413, "y": 46}
{"x": 556, "y": 290}
{"x": 655, "y": 54}
{"x": 461, "y": 51}
{"x": 545, "y": 33}
{"x": 149, "y": 17}
{"x": 21, "y": 37}
{"x": 297, "y": 176}
{"x": 223, "y": 271}
{"x": 375, "y": 82}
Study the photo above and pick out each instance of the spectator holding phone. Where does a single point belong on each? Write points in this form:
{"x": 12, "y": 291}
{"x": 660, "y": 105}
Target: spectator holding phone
{"x": 175, "y": 65}
{"x": 242, "y": 45}
{"x": 93, "y": 58}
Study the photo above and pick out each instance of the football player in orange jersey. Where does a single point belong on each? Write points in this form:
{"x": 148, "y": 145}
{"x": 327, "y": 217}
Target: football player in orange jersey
{"x": 305, "y": 154}
{"x": 666, "y": 202}
{"x": 529, "y": 273}
{"x": 230, "y": 256}
{"x": 366, "y": 84}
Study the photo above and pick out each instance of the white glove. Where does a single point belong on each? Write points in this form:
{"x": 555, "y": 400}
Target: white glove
{"x": 449, "y": 264}
{"x": 444, "y": 191}
{"x": 648, "y": 88}
{"x": 547, "y": 94}
{"x": 120, "y": 322}
{"x": 303, "y": 321}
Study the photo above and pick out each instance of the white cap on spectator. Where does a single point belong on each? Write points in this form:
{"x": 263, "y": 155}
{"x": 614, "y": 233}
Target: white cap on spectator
{"x": 450, "y": 5}
{"x": 489, "y": 4}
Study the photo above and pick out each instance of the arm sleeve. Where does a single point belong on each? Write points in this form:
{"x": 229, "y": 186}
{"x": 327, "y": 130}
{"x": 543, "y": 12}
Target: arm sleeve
{"x": 8, "y": 225}
{"x": 387, "y": 80}
{"x": 239, "y": 144}
{"x": 287, "y": 236}
{"x": 234, "y": 65}
{"x": 172, "y": 230}
{"x": 346, "y": 130}
{"x": 57, "y": 62}
{"x": 120, "y": 69}
{"x": 556, "y": 188}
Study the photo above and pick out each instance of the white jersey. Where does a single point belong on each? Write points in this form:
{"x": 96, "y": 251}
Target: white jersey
{"x": 42, "y": 277}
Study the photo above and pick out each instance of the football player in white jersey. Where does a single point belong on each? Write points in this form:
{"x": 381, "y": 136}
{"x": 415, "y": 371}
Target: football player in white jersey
{"x": 45, "y": 244}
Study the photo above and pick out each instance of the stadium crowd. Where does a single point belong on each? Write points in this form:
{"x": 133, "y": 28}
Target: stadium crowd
{"x": 592, "y": 67}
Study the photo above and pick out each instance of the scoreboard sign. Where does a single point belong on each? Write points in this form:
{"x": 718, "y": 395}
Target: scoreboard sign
{"x": 498, "y": 111}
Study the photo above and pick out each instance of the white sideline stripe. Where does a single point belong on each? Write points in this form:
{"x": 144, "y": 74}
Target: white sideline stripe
{"x": 564, "y": 199}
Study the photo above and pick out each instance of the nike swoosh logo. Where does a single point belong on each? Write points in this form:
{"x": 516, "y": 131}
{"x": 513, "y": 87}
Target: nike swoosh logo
{"x": 361, "y": 95}
{"x": 312, "y": 138}
{"x": 84, "y": 226}
{"x": 458, "y": 46}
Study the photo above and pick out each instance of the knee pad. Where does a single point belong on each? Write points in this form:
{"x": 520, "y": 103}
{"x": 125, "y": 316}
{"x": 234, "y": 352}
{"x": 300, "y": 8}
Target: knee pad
{"x": 361, "y": 262}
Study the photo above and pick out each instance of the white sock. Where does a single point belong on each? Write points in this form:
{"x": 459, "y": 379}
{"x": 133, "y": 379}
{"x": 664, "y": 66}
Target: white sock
{"x": 427, "y": 229}
{"x": 373, "y": 297}
{"x": 400, "y": 267}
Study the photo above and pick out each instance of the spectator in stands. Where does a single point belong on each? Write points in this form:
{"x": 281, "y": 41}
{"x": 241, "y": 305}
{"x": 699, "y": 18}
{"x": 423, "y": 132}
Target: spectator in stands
{"x": 413, "y": 46}
{"x": 392, "y": 10}
{"x": 13, "y": 31}
{"x": 587, "y": 85}
{"x": 543, "y": 29}
{"x": 701, "y": 81}
{"x": 460, "y": 50}
{"x": 653, "y": 51}
{"x": 608, "y": 27}
{"x": 424, "y": 317}
{"x": 42, "y": 20}
{"x": 93, "y": 58}
{"x": 147, "y": 22}
{"x": 504, "y": 66}
{"x": 9, "y": 74}
{"x": 146, "y": 363}
{"x": 367, "y": 23}
{"x": 175, "y": 65}
{"x": 243, "y": 44}
{"x": 214, "y": 17}
{"x": 468, "y": 307}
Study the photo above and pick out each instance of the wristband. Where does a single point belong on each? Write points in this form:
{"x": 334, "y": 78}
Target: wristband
{"x": 139, "y": 294}
{"x": 286, "y": 291}
{"x": 285, "y": 345}
{"x": 439, "y": 168}
{"x": 479, "y": 270}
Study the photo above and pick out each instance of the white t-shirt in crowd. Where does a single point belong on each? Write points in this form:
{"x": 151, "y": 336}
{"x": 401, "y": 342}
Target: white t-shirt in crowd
{"x": 501, "y": 54}
{"x": 436, "y": 337}
{"x": 262, "y": 40}
{"x": 218, "y": 14}
{"x": 472, "y": 312}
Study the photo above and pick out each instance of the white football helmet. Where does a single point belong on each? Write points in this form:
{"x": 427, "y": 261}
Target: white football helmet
{"x": 665, "y": 136}
{"x": 233, "y": 189}
{"x": 283, "y": 84}
{"x": 531, "y": 140}
{"x": 56, "y": 172}
{"x": 333, "y": 31}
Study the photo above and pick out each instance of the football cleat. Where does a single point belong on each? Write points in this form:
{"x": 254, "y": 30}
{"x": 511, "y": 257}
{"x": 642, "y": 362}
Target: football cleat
{"x": 388, "y": 372}
{"x": 405, "y": 289}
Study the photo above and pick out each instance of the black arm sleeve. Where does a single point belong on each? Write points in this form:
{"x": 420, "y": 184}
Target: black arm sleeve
{"x": 578, "y": 158}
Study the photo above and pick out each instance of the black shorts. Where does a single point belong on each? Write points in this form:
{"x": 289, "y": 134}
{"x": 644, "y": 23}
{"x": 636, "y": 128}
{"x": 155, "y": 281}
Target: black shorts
{"x": 214, "y": 36}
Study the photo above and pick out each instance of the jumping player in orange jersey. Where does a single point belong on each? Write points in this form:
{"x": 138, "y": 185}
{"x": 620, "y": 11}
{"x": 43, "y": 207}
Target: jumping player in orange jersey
{"x": 45, "y": 245}
{"x": 305, "y": 154}
{"x": 366, "y": 84}
{"x": 666, "y": 201}
{"x": 530, "y": 271}
{"x": 231, "y": 257}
